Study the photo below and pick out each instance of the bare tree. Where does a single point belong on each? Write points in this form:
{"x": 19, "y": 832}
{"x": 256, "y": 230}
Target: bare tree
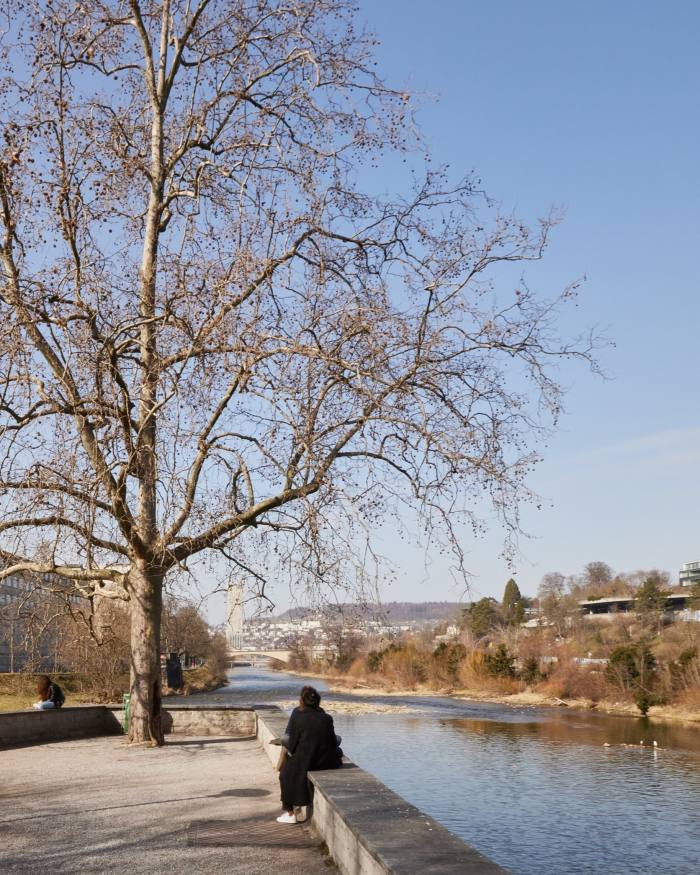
{"x": 184, "y": 630}
{"x": 553, "y": 585}
{"x": 212, "y": 338}
{"x": 558, "y": 606}
{"x": 597, "y": 575}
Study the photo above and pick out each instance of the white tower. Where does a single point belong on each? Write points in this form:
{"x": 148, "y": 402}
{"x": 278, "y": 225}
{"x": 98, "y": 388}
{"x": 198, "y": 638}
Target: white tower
{"x": 234, "y": 616}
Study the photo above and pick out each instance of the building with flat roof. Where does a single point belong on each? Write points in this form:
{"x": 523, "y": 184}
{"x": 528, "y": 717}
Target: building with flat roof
{"x": 690, "y": 573}
{"x": 676, "y": 605}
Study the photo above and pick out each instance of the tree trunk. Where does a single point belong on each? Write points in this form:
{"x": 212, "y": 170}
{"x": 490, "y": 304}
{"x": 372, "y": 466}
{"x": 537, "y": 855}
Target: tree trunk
{"x": 146, "y": 590}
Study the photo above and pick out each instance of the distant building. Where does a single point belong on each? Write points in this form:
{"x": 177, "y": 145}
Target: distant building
{"x": 690, "y": 573}
{"x": 676, "y": 605}
{"x": 27, "y": 603}
{"x": 235, "y": 616}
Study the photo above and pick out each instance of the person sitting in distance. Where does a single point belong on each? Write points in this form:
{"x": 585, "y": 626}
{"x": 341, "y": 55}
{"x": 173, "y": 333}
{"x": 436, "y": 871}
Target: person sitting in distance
{"x": 50, "y": 694}
{"x": 312, "y": 745}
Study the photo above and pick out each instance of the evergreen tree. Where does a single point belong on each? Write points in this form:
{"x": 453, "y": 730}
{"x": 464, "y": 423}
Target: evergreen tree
{"x": 500, "y": 663}
{"x": 650, "y": 601}
{"x": 482, "y": 617}
{"x": 631, "y": 668}
{"x": 513, "y": 604}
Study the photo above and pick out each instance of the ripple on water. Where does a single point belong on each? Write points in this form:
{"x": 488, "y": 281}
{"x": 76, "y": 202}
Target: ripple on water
{"x": 537, "y": 805}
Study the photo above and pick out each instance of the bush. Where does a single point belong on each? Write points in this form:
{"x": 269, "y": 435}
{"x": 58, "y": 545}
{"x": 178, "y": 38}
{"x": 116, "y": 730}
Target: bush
{"x": 530, "y": 672}
{"x": 374, "y": 661}
{"x": 631, "y": 669}
{"x": 571, "y": 681}
{"x": 447, "y": 659}
{"x": 500, "y": 663}
{"x": 404, "y": 665}
{"x": 644, "y": 700}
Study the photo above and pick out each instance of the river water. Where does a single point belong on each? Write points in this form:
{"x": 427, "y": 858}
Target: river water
{"x": 541, "y": 791}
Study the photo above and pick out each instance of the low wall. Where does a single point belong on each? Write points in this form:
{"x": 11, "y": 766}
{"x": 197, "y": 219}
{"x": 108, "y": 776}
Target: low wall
{"x": 369, "y": 829}
{"x": 83, "y": 721}
{"x": 210, "y": 720}
{"x": 31, "y": 727}
{"x": 272, "y": 722}
{"x": 238, "y": 722}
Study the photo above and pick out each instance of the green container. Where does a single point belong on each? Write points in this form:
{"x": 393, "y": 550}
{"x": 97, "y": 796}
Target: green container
{"x": 126, "y": 702}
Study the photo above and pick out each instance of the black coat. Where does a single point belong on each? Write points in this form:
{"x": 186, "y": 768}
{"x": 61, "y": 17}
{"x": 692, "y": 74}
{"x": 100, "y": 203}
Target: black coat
{"x": 313, "y": 746}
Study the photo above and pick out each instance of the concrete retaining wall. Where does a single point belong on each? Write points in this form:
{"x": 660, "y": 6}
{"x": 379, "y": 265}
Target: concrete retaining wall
{"x": 239, "y": 722}
{"x": 369, "y": 829}
{"x": 29, "y": 727}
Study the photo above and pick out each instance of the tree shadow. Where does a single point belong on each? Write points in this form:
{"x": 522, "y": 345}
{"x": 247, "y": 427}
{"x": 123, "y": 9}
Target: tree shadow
{"x": 190, "y": 742}
{"x": 240, "y": 791}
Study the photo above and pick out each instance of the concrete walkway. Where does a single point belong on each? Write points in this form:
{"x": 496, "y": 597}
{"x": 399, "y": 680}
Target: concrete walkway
{"x": 203, "y": 805}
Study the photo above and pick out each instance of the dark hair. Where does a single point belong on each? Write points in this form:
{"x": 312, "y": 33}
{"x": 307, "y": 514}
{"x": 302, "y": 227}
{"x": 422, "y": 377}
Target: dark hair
{"x": 43, "y": 682}
{"x": 310, "y": 697}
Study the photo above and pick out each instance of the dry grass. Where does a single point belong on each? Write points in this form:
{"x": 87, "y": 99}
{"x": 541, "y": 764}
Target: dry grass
{"x": 571, "y": 681}
{"x": 15, "y": 703}
{"x": 18, "y": 691}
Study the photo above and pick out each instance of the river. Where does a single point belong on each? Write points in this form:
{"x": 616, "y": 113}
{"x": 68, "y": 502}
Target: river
{"x": 541, "y": 791}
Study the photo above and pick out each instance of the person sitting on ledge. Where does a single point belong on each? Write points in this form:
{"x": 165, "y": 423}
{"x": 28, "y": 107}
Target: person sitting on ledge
{"x": 312, "y": 746}
{"x": 50, "y": 694}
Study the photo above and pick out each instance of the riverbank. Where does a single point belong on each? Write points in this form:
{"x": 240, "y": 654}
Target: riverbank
{"x": 199, "y": 680}
{"x": 18, "y": 690}
{"x": 525, "y": 698}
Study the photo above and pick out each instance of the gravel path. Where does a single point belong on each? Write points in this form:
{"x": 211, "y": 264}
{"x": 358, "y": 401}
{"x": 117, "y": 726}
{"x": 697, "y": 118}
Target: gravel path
{"x": 194, "y": 806}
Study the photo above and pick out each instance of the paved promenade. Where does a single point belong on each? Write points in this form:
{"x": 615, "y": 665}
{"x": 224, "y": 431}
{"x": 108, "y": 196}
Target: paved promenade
{"x": 203, "y": 805}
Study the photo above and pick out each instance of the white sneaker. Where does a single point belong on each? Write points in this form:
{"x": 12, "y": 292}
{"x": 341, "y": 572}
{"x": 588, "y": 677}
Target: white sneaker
{"x": 286, "y": 818}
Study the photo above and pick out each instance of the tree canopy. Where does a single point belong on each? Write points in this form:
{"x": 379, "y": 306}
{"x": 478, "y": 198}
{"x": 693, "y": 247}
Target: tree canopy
{"x": 214, "y": 338}
{"x": 482, "y": 617}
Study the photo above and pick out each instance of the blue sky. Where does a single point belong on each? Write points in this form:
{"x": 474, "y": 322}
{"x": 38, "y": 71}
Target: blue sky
{"x": 593, "y": 108}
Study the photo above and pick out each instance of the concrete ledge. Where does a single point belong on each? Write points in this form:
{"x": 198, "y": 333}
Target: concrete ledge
{"x": 238, "y": 722}
{"x": 373, "y": 830}
{"x": 271, "y": 724}
{"x": 18, "y": 728}
{"x": 369, "y": 829}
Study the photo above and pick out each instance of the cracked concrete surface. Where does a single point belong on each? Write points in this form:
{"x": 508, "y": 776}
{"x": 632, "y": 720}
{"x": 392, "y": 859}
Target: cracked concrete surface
{"x": 96, "y": 805}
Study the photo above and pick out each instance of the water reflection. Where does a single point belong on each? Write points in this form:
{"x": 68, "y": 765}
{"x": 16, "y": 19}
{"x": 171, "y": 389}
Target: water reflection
{"x": 533, "y": 801}
{"x": 599, "y": 731}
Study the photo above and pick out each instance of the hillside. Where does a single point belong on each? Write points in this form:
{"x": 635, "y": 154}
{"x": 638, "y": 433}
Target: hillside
{"x": 391, "y": 612}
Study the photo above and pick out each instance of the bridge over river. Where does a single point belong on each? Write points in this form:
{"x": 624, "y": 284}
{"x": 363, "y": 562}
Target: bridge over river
{"x": 257, "y": 656}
